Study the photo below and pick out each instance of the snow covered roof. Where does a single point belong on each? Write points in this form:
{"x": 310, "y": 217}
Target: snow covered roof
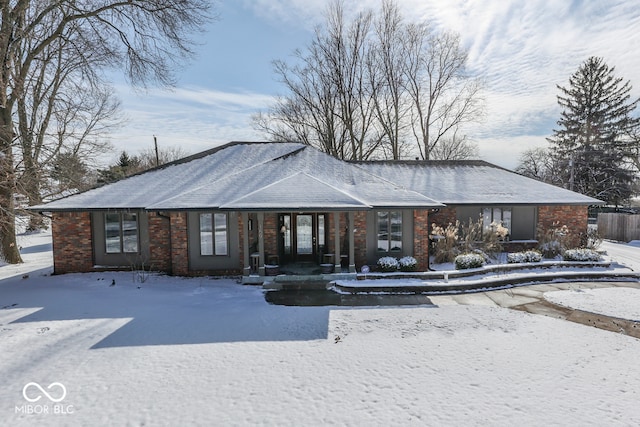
{"x": 274, "y": 176}
{"x": 249, "y": 176}
{"x": 473, "y": 182}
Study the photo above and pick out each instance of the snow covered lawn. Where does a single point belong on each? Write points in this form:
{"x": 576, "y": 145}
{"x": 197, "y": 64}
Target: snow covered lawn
{"x": 176, "y": 351}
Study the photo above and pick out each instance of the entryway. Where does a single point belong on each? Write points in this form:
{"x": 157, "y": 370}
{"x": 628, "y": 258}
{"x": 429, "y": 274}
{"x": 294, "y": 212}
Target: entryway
{"x": 302, "y": 237}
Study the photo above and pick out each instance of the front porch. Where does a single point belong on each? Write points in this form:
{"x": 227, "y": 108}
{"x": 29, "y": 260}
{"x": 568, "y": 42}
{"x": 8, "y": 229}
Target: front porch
{"x": 304, "y": 243}
{"x": 299, "y": 276}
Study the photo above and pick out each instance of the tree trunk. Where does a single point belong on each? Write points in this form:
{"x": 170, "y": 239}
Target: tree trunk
{"x": 8, "y": 248}
{"x": 30, "y": 184}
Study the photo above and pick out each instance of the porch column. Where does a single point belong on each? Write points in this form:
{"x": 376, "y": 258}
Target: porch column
{"x": 351, "y": 231}
{"x": 261, "y": 243}
{"x": 245, "y": 244}
{"x": 336, "y": 243}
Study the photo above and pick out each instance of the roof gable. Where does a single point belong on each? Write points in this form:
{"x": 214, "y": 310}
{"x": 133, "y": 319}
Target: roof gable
{"x": 249, "y": 176}
{"x": 298, "y": 191}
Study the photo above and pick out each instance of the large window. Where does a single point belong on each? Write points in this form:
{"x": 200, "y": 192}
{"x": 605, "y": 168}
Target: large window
{"x": 496, "y": 216}
{"x": 213, "y": 234}
{"x": 121, "y": 232}
{"x": 389, "y": 230}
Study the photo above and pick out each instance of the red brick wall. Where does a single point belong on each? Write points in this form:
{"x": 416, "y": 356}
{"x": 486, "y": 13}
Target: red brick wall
{"x": 72, "y": 246}
{"x": 241, "y": 248}
{"x": 443, "y": 217}
{"x": 421, "y": 238}
{"x": 360, "y": 239}
{"x": 270, "y": 234}
{"x": 159, "y": 242}
{"x": 179, "y": 246}
{"x": 574, "y": 217}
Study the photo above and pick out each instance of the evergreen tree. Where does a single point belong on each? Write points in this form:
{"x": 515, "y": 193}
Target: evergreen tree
{"x": 592, "y": 147}
{"x": 126, "y": 166}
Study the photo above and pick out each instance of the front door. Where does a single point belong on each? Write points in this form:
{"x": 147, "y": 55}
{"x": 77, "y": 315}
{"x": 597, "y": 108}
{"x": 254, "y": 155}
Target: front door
{"x": 305, "y": 237}
{"x": 302, "y": 237}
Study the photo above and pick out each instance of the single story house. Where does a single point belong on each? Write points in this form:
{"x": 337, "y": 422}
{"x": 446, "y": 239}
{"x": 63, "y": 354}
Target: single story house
{"x": 241, "y": 207}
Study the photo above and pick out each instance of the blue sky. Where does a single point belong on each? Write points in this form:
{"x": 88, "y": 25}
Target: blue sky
{"x": 523, "y": 49}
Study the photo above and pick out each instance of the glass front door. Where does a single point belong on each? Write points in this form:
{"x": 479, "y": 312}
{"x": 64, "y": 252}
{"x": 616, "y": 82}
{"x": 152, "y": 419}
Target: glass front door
{"x": 302, "y": 237}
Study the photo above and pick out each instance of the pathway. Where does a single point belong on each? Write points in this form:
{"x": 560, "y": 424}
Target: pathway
{"x": 530, "y": 299}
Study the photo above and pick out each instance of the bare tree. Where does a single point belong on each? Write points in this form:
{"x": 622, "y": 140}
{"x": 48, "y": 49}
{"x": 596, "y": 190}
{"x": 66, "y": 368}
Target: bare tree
{"x": 454, "y": 148}
{"x": 444, "y": 96}
{"x": 539, "y": 163}
{"x": 386, "y": 67}
{"x": 67, "y": 110}
{"x": 148, "y": 160}
{"x": 146, "y": 38}
{"x": 376, "y": 86}
{"x": 329, "y": 105}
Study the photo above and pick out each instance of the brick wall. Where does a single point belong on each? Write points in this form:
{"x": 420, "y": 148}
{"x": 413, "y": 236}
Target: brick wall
{"x": 241, "y": 248}
{"x": 159, "y": 242}
{"x": 270, "y": 233}
{"x": 421, "y": 238}
{"x": 360, "y": 239}
{"x": 443, "y": 217}
{"x": 574, "y": 217}
{"x": 72, "y": 247}
{"x": 179, "y": 246}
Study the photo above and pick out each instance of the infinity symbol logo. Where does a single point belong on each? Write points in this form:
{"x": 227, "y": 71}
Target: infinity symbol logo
{"x": 43, "y": 391}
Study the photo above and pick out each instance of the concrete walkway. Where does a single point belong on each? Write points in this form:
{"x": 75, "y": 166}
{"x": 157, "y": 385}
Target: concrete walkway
{"x": 530, "y": 299}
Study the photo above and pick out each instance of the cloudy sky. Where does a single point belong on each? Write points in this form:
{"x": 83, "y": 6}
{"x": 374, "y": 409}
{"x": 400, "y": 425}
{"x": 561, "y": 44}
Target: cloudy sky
{"x": 523, "y": 49}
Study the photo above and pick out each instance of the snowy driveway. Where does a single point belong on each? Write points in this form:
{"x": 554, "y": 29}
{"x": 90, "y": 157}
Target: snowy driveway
{"x": 623, "y": 253}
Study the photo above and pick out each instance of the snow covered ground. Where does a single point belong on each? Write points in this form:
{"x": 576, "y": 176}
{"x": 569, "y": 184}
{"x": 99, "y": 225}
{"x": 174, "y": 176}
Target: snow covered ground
{"x": 627, "y": 254}
{"x": 174, "y": 351}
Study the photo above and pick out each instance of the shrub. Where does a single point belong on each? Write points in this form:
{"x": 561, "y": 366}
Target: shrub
{"x": 408, "y": 263}
{"x": 525, "y": 256}
{"x": 388, "y": 264}
{"x": 591, "y": 239}
{"x": 552, "y": 242}
{"x": 445, "y": 242}
{"x": 492, "y": 238}
{"x": 475, "y": 237}
{"x": 581, "y": 255}
{"x": 471, "y": 235}
{"x": 469, "y": 260}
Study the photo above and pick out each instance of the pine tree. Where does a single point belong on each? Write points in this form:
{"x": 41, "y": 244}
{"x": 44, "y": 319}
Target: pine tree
{"x": 593, "y": 144}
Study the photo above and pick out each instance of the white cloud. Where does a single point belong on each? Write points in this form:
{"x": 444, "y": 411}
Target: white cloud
{"x": 506, "y": 151}
{"x": 193, "y": 118}
{"x": 523, "y": 49}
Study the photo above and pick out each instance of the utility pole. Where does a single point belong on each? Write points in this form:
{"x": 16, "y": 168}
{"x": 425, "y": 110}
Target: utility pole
{"x": 155, "y": 142}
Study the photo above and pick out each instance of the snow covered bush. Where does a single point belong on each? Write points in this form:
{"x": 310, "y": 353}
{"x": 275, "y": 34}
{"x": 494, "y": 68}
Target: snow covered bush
{"x": 470, "y": 260}
{"x": 525, "y": 256}
{"x": 552, "y": 242}
{"x": 408, "y": 263}
{"x": 388, "y": 264}
{"x": 581, "y": 255}
{"x": 591, "y": 239}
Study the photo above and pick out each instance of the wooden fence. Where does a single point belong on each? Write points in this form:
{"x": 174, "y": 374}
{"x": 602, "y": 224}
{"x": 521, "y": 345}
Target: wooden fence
{"x": 618, "y": 226}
